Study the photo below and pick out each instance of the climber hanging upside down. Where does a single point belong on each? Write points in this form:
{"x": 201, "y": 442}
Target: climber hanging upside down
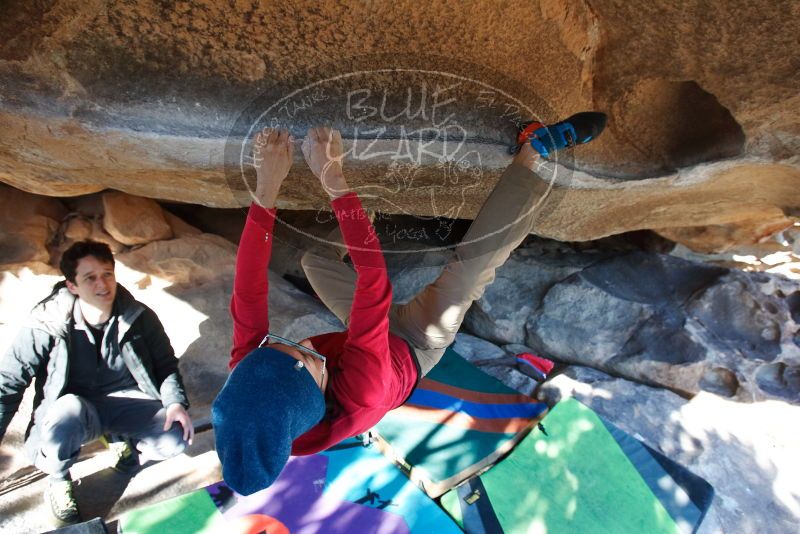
{"x": 285, "y": 397}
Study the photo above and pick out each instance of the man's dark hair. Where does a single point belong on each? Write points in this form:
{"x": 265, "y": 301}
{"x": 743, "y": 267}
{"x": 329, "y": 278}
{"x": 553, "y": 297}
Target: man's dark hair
{"x": 78, "y": 251}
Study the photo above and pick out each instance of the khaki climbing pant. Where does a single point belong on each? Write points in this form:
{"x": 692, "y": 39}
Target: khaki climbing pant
{"x": 429, "y": 321}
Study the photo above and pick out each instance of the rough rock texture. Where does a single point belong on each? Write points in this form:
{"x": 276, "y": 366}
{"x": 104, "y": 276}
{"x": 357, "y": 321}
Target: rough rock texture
{"x": 518, "y": 290}
{"x": 723, "y": 237}
{"x": 134, "y": 220}
{"x": 185, "y": 261}
{"x": 27, "y": 224}
{"x": 77, "y": 227}
{"x": 144, "y": 96}
{"x": 180, "y": 228}
{"x": 746, "y": 451}
{"x": 649, "y": 317}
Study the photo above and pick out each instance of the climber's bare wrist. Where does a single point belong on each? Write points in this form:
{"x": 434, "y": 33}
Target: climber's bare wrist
{"x": 334, "y": 183}
{"x": 266, "y": 198}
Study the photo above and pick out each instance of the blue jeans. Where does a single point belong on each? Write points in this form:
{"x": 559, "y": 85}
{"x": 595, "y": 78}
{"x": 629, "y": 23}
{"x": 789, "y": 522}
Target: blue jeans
{"x": 73, "y": 421}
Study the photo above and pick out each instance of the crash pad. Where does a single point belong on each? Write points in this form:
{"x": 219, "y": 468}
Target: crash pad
{"x": 348, "y": 488}
{"x": 579, "y": 473}
{"x": 458, "y": 422}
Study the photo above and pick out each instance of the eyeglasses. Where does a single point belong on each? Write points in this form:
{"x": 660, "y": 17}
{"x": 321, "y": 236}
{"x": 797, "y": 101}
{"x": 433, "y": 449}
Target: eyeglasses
{"x": 301, "y": 348}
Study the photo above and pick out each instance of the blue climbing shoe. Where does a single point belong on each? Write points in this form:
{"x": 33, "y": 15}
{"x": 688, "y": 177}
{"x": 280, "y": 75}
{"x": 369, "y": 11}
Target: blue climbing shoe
{"x": 575, "y": 130}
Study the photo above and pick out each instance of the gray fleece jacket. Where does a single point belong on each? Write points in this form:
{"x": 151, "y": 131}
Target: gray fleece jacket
{"x": 41, "y": 353}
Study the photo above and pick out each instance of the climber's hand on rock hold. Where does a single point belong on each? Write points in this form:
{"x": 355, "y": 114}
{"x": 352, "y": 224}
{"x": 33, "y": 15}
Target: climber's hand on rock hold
{"x": 272, "y": 157}
{"x": 322, "y": 149}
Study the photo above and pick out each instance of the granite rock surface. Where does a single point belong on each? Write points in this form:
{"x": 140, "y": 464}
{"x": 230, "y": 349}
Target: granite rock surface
{"x": 157, "y": 100}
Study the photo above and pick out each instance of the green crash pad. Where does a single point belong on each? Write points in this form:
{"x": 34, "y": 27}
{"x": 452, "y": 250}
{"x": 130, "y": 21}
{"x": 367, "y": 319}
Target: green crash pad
{"x": 573, "y": 475}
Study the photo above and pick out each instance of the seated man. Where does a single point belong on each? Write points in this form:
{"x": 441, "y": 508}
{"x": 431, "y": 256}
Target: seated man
{"x": 103, "y": 364}
{"x": 301, "y": 398}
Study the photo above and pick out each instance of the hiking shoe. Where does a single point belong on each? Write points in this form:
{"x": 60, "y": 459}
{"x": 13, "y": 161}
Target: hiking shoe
{"x": 126, "y": 457}
{"x": 575, "y": 130}
{"x": 59, "y": 497}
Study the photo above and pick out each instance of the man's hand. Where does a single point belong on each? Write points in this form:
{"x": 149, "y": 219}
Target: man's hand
{"x": 272, "y": 154}
{"x": 322, "y": 149}
{"x": 176, "y": 413}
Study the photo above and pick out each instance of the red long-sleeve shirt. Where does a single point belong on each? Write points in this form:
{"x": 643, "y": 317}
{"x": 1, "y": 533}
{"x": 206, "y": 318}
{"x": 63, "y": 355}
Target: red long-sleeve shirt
{"x": 371, "y": 371}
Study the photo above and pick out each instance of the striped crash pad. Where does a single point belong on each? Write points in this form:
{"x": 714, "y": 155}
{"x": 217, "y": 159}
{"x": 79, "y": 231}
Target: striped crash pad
{"x": 579, "y": 473}
{"x": 347, "y": 488}
{"x": 458, "y": 422}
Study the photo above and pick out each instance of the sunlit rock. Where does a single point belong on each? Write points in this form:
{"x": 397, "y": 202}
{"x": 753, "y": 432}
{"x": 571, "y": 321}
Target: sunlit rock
{"x": 134, "y": 220}
{"x": 702, "y": 124}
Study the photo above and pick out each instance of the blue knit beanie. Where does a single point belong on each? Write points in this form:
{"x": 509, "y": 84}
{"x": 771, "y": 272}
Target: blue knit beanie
{"x": 264, "y": 405}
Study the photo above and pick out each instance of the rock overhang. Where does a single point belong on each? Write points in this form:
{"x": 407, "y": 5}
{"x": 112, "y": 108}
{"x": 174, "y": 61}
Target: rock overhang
{"x": 146, "y": 98}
